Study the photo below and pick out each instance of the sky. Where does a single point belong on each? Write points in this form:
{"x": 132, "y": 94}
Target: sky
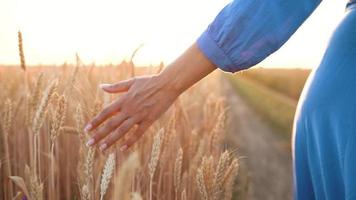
{"x": 107, "y": 31}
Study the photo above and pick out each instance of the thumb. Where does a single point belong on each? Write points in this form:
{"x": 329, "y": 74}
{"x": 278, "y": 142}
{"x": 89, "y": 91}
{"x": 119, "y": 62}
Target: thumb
{"x": 121, "y": 86}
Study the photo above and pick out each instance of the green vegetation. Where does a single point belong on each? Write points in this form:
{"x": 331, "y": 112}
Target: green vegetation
{"x": 289, "y": 82}
{"x": 263, "y": 92}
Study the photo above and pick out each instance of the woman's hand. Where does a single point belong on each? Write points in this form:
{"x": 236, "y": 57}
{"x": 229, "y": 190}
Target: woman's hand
{"x": 145, "y": 100}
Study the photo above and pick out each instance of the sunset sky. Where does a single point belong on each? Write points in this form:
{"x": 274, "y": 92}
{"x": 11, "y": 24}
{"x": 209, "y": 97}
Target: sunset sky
{"x": 107, "y": 31}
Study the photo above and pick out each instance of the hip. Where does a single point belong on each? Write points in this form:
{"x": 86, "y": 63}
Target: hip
{"x": 332, "y": 85}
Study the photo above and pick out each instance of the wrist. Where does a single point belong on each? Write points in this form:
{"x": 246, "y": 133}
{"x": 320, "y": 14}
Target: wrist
{"x": 185, "y": 71}
{"x": 169, "y": 80}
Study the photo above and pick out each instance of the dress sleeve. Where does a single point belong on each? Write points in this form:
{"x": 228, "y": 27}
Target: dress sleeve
{"x": 247, "y": 31}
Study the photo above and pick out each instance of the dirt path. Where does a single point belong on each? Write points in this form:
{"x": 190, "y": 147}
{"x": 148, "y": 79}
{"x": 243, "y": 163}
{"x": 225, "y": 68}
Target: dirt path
{"x": 267, "y": 166}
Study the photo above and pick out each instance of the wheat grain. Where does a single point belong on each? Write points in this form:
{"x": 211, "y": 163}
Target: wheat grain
{"x": 69, "y": 130}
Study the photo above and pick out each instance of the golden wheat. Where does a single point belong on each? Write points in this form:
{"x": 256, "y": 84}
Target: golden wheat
{"x": 47, "y": 157}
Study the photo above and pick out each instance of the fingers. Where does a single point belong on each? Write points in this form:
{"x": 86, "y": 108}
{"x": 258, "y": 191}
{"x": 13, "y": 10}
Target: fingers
{"x": 121, "y": 86}
{"x": 103, "y": 131}
{"x": 135, "y": 136}
{"x": 117, "y": 134}
{"x": 109, "y": 111}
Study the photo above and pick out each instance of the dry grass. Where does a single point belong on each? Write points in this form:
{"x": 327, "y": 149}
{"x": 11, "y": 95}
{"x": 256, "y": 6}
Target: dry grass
{"x": 43, "y": 152}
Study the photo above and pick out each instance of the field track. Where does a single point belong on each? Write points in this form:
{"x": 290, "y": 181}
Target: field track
{"x": 266, "y": 164}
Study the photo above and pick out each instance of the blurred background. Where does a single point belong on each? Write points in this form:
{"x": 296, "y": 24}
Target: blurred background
{"x": 107, "y": 31}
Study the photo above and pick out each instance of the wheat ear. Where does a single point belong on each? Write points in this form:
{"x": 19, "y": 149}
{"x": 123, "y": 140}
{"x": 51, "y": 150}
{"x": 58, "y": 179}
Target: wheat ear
{"x": 107, "y": 174}
{"x": 178, "y": 171}
{"x": 21, "y": 52}
{"x": 58, "y": 119}
{"x": 201, "y": 184}
{"x": 229, "y": 179}
{"x": 219, "y": 175}
{"x": 156, "y": 149}
{"x": 208, "y": 170}
{"x": 42, "y": 108}
{"x": 34, "y": 101}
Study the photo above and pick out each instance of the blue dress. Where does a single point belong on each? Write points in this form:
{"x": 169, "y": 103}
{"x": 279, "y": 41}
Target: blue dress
{"x": 324, "y": 138}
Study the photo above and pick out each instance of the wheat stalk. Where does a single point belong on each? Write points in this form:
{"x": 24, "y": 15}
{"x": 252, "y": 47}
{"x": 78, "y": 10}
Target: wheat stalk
{"x": 125, "y": 178}
{"x": 7, "y": 120}
{"x": 34, "y": 184}
{"x": 184, "y": 195}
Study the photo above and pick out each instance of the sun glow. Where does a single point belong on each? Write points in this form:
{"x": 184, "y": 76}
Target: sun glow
{"x": 108, "y": 31}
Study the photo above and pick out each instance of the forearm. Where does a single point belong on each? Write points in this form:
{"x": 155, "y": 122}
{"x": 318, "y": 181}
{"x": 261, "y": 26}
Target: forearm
{"x": 185, "y": 71}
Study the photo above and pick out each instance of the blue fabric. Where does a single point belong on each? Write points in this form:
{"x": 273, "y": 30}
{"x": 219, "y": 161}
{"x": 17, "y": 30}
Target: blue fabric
{"x": 325, "y": 125}
{"x": 246, "y": 31}
{"x": 324, "y": 137}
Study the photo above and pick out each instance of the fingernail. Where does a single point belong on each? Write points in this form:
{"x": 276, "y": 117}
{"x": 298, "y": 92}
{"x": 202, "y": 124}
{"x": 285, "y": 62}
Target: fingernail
{"x": 103, "y": 147}
{"x": 123, "y": 148}
{"x": 104, "y": 85}
{"x": 90, "y": 142}
{"x": 88, "y": 127}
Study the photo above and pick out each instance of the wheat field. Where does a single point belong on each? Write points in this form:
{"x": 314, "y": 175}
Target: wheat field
{"x": 43, "y": 151}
